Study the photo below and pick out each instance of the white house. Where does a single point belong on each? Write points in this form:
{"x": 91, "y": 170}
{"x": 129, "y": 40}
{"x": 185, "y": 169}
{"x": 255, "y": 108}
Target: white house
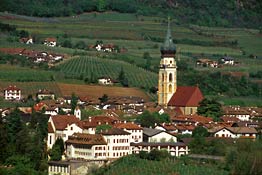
{"x": 77, "y": 113}
{"x": 234, "y": 132}
{"x": 118, "y": 142}
{"x": 227, "y": 60}
{"x": 62, "y": 126}
{"x": 26, "y": 40}
{"x": 12, "y": 93}
{"x": 135, "y": 130}
{"x": 155, "y": 135}
{"x": 50, "y": 42}
{"x": 238, "y": 112}
{"x": 45, "y": 94}
{"x": 105, "y": 81}
{"x": 86, "y": 146}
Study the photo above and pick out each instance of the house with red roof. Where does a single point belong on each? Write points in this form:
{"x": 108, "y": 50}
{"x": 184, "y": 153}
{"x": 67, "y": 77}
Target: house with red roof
{"x": 62, "y": 126}
{"x": 12, "y": 93}
{"x": 50, "y": 42}
{"x": 135, "y": 130}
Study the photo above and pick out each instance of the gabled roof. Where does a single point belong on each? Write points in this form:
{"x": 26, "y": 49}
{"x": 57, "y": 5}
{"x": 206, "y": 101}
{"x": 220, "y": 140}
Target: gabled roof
{"x": 94, "y": 121}
{"x": 86, "y": 139}
{"x": 115, "y": 131}
{"x": 128, "y": 125}
{"x": 186, "y": 96}
{"x": 50, "y": 39}
{"x": 151, "y": 132}
{"x": 12, "y": 88}
{"x": 50, "y": 128}
{"x": 61, "y": 121}
{"x": 236, "y": 130}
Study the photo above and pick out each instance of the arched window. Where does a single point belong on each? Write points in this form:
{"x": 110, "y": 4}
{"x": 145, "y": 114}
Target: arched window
{"x": 170, "y": 77}
{"x": 170, "y": 88}
{"x": 163, "y": 77}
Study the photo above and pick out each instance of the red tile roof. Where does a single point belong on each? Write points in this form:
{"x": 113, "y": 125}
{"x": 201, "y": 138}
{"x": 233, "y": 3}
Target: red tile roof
{"x": 128, "y": 125}
{"x": 94, "y": 121}
{"x": 115, "y": 131}
{"x": 50, "y": 128}
{"x": 12, "y": 88}
{"x": 86, "y": 139}
{"x": 191, "y": 119}
{"x": 50, "y": 39}
{"x": 186, "y": 96}
{"x": 61, "y": 121}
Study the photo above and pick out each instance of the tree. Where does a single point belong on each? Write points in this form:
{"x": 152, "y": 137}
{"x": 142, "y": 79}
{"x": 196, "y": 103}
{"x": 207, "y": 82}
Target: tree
{"x": 103, "y": 99}
{"x": 210, "y": 108}
{"x": 74, "y": 100}
{"x": 148, "y": 119}
{"x": 122, "y": 78}
{"x": 57, "y": 150}
{"x": 100, "y": 128}
{"x": 200, "y": 131}
{"x": 80, "y": 45}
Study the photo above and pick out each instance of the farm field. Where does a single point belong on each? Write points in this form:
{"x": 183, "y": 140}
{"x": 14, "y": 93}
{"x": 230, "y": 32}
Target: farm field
{"x": 138, "y": 34}
{"x": 98, "y": 91}
{"x": 86, "y": 66}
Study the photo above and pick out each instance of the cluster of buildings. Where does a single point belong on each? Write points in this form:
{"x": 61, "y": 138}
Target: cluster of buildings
{"x": 98, "y": 139}
{"x": 34, "y": 56}
{"x": 225, "y": 60}
{"x": 51, "y": 42}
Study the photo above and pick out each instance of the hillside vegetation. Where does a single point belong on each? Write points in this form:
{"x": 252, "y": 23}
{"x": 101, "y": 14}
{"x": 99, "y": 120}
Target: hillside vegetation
{"x": 202, "y": 12}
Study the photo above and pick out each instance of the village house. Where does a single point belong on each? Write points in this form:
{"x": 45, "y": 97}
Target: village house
{"x": 227, "y": 60}
{"x": 62, "y": 126}
{"x": 168, "y": 127}
{"x": 26, "y": 40}
{"x": 12, "y": 93}
{"x": 204, "y": 62}
{"x": 185, "y": 128}
{"x": 191, "y": 119}
{"x": 118, "y": 142}
{"x": 50, "y": 42}
{"x": 156, "y": 135}
{"x": 45, "y": 94}
{"x": 105, "y": 81}
{"x": 86, "y": 146}
{"x": 91, "y": 123}
{"x": 234, "y": 132}
{"x": 135, "y": 130}
{"x": 236, "y": 111}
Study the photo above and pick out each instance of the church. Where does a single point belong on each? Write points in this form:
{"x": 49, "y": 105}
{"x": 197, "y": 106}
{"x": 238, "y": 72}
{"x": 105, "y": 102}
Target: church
{"x": 185, "y": 99}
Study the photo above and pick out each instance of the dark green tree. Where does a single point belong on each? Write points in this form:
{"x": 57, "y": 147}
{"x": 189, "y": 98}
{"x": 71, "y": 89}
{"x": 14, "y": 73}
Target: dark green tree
{"x": 200, "y": 131}
{"x": 74, "y": 100}
{"x": 103, "y": 99}
{"x": 100, "y": 128}
{"x": 210, "y": 108}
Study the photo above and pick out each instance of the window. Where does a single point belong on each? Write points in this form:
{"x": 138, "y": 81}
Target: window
{"x": 163, "y": 77}
{"x": 50, "y": 140}
{"x": 170, "y": 88}
{"x": 170, "y": 77}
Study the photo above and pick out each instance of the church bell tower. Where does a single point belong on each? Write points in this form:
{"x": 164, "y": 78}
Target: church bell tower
{"x": 167, "y": 76}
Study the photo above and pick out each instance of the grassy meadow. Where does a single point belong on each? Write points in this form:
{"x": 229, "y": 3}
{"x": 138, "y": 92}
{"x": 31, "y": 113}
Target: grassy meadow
{"x": 138, "y": 34}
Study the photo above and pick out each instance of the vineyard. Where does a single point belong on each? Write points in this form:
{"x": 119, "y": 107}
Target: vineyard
{"x": 90, "y": 66}
{"x": 131, "y": 165}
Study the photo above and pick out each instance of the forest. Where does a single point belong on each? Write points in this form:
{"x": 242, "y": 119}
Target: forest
{"x": 227, "y": 13}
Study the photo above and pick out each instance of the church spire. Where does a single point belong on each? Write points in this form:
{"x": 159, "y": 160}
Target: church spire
{"x": 168, "y": 46}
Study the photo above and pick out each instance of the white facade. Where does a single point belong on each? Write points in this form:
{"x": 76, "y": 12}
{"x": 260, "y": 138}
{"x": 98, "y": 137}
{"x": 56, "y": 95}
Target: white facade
{"x": 50, "y": 43}
{"x": 136, "y": 135}
{"x": 86, "y": 152}
{"x": 227, "y": 133}
{"x": 162, "y": 137}
{"x": 14, "y": 94}
{"x": 105, "y": 81}
{"x": 77, "y": 113}
{"x": 117, "y": 145}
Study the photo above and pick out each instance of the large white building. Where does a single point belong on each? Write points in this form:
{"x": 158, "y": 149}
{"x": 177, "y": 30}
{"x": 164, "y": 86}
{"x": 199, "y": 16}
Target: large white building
{"x": 86, "y": 146}
{"x": 12, "y": 93}
{"x": 62, "y": 126}
{"x": 136, "y": 132}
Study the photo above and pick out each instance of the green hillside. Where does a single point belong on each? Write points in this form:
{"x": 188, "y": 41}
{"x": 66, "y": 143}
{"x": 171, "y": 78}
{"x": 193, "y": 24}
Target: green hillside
{"x": 202, "y": 12}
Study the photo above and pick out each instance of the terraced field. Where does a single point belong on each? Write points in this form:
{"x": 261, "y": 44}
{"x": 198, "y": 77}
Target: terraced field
{"x": 85, "y": 66}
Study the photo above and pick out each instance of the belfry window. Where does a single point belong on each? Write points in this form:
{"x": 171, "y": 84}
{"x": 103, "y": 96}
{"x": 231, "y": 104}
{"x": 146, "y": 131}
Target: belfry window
{"x": 163, "y": 77}
{"x": 170, "y": 88}
{"x": 170, "y": 77}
